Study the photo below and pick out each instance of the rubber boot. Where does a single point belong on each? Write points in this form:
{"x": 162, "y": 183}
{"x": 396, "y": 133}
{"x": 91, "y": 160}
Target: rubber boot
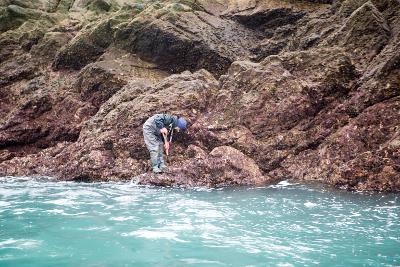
{"x": 161, "y": 163}
{"x": 154, "y": 162}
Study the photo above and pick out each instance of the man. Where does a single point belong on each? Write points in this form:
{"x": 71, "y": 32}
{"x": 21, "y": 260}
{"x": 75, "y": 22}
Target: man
{"x": 155, "y": 130}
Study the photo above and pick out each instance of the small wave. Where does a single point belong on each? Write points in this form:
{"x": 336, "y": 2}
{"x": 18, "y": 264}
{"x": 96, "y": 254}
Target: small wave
{"x": 62, "y": 212}
{"x": 151, "y": 234}
{"x": 309, "y": 204}
{"x": 62, "y": 202}
{"x": 74, "y": 194}
{"x": 281, "y": 184}
{"x": 179, "y": 227}
{"x": 126, "y": 199}
{"x": 20, "y": 243}
{"x": 284, "y": 264}
{"x": 4, "y": 204}
{"x": 22, "y": 211}
{"x": 94, "y": 228}
{"x": 122, "y": 218}
{"x": 199, "y": 261}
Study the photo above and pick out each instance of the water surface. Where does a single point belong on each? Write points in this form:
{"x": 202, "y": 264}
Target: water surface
{"x": 45, "y": 223}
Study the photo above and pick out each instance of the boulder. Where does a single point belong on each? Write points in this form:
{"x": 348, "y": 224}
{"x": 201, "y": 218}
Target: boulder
{"x": 223, "y": 166}
{"x": 13, "y": 16}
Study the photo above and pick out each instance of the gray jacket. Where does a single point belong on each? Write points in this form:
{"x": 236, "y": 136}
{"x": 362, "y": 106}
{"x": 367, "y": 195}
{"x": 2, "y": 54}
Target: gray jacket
{"x": 159, "y": 121}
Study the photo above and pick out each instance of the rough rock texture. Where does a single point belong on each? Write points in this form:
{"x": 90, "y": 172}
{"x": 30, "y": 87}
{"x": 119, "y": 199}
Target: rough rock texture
{"x": 223, "y": 166}
{"x": 273, "y": 90}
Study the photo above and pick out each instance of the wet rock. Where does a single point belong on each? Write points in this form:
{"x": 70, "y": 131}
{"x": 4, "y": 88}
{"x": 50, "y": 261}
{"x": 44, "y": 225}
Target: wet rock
{"x": 11, "y": 17}
{"x": 347, "y": 7}
{"x": 268, "y": 48}
{"x": 223, "y": 166}
{"x": 119, "y": 122}
{"x": 275, "y": 95}
{"x": 358, "y": 153}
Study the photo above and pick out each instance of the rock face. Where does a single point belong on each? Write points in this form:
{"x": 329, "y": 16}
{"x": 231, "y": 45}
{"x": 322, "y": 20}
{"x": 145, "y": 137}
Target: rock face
{"x": 273, "y": 90}
{"x": 223, "y": 166}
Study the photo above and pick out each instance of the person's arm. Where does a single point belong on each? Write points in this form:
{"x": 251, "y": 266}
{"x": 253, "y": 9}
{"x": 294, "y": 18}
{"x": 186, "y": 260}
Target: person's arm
{"x": 161, "y": 124}
{"x": 164, "y": 121}
{"x": 159, "y": 121}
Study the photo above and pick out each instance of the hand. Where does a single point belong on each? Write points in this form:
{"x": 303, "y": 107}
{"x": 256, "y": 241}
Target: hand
{"x": 164, "y": 131}
{"x": 166, "y": 146}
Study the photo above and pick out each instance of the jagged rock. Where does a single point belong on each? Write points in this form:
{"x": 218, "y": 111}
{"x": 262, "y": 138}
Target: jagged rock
{"x": 277, "y": 104}
{"x": 347, "y": 7}
{"x": 268, "y": 48}
{"x": 98, "y": 81}
{"x": 321, "y": 1}
{"x": 85, "y": 47}
{"x": 364, "y": 34}
{"x": 355, "y": 155}
{"x": 99, "y": 6}
{"x": 110, "y": 146}
{"x": 186, "y": 40}
{"x": 48, "y": 46}
{"x": 276, "y": 94}
{"x": 223, "y": 166}
{"x": 21, "y": 68}
{"x": 268, "y": 20}
{"x": 38, "y": 113}
{"x": 275, "y": 44}
{"x": 37, "y": 120}
{"x": 11, "y": 17}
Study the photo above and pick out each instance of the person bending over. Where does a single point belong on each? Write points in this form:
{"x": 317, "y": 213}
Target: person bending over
{"x": 157, "y": 133}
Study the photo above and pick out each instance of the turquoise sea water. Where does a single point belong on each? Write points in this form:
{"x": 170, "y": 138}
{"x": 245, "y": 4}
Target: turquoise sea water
{"x": 44, "y": 223}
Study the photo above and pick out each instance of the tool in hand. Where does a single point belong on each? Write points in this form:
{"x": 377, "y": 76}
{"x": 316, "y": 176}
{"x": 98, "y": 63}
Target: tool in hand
{"x": 165, "y": 142}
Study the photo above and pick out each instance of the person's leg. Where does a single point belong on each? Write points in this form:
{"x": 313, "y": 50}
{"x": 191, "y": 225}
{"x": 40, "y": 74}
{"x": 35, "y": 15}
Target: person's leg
{"x": 154, "y": 162}
{"x": 152, "y": 144}
{"x": 161, "y": 162}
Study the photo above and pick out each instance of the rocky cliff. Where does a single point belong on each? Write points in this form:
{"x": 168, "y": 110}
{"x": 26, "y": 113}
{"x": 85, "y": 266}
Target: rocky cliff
{"x": 288, "y": 89}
